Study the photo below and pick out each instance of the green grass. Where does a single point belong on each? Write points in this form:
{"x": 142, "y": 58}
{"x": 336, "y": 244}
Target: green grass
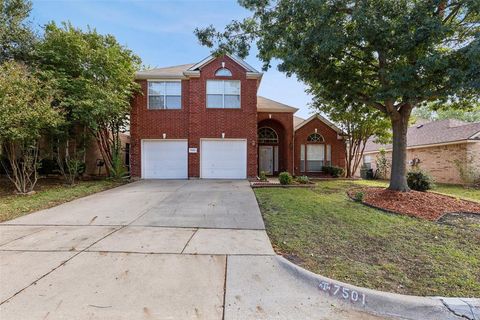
{"x": 448, "y": 189}
{"x": 327, "y": 233}
{"x": 49, "y": 193}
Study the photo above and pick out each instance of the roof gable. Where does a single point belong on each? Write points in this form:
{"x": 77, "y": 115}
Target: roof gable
{"x": 322, "y": 119}
{"x": 436, "y": 132}
{"x": 211, "y": 58}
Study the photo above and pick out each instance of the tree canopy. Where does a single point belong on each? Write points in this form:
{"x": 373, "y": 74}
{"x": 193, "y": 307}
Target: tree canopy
{"x": 96, "y": 76}
{"x": 389, "y": 55}
{"x": 16, "y": 37}
{"x": 26, "y": 112}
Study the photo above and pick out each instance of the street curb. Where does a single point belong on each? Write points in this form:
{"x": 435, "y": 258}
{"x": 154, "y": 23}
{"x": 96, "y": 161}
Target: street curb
{"x": 386, "y": 303}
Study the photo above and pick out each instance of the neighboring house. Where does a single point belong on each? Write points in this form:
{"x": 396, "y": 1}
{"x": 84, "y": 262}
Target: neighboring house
{"x": 89, "y": 153}
{"x": 205, "y": 120}
{"x": 436, "y": 147}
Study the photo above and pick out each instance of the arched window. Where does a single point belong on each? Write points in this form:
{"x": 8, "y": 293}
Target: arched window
{"x": 223, "y": 72}
{"x": 267, "y": 135}
{"x": 315, "y": 137}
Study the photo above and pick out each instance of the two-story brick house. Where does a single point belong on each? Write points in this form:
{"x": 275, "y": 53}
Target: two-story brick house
{"x": 205, "y": 120}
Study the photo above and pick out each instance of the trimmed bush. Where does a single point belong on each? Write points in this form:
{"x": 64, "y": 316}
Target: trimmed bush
{"x": 285, "y": 178}
{"x": 419, "y": 180}
{"x": 262, "y": 176}
{"x": 303, "y": 180}
{"x": 359, "y": 196}
{"x": 334, "y": 171}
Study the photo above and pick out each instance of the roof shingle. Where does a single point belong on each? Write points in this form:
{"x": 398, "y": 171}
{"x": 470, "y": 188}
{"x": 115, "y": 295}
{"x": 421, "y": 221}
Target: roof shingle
{"x": 435, "y": 132}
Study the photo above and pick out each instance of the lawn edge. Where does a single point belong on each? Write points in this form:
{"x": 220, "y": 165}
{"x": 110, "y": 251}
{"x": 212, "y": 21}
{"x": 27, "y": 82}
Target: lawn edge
{"x": 66, "y": 201}
{"x": 387, "y": 303}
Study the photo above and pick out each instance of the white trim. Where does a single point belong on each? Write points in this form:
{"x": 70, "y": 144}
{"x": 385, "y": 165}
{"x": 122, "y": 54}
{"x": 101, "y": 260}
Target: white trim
{"x": 159, "y": 77}
{"x": 165, "y": 96}
{"x": 223, "y": 139}
{"x": 324, "y": 120}
{"x": 427, "y": 145}
{"x": 475, "y": 136}
{"x": 276, "y": 133}
{"x": 223, "y": 95}
{"x": 142, "y": 160}
{"x": 251, "y": 71}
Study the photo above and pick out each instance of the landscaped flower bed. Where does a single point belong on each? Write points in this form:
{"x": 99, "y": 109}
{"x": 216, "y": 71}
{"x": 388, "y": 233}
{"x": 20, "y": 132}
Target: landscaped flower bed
{"x": 425, "y": 205}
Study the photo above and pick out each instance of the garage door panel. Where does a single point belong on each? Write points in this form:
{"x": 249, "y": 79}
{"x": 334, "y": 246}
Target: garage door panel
{"x": 165, "y": 159}
{"x": 224, "y": 159}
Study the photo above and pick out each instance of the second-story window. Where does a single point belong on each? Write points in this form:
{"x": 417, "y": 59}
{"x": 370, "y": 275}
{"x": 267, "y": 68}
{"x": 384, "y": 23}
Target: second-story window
{"x": 223, "y": 94}
{"x": 164, "y": 95}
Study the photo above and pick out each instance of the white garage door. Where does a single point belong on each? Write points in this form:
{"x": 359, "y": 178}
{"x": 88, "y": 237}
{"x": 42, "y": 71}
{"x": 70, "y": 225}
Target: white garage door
{"x": 164, "y": 159}
{"x": 223, "y": 159}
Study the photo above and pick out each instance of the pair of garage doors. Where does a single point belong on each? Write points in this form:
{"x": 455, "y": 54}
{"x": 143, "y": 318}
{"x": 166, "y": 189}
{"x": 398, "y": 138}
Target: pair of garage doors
{"x": 219, "y": 159}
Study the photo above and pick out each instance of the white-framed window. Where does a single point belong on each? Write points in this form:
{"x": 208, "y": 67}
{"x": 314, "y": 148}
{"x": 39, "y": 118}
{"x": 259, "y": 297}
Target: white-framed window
{"x": 267, "y": 135}
{"x": 367, "y": 161}
{"x": 164, "y": 95}
{"x": 223, "y": 94}
{"x": 223, "y": 72}
{"x": 302, "y": 158}
{"x": 315, "y": 157}
{"x": 329, "y": 155}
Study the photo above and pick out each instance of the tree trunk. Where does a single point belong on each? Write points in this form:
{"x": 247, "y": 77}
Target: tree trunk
{"x": 398, "y": 179}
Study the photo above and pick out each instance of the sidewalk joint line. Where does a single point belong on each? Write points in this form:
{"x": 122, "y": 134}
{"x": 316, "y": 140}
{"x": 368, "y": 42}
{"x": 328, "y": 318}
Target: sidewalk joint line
{"x": 186, "y": 244}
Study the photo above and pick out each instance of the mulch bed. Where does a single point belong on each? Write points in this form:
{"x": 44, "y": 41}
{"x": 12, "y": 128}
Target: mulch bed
{"x": 425, "y": 205}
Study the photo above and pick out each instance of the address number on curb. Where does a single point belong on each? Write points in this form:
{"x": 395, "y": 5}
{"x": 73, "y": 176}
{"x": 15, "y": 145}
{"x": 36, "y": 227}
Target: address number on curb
{"x": 342, "y": 292}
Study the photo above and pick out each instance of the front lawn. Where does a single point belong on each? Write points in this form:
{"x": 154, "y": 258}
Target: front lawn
{"x": 324, "y": 231}
{"x": 50, "y": 192}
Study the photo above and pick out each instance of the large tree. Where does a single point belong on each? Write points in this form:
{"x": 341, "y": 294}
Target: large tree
{"x": 389, "y": 55}
{"x": 26, "y": 113}
{"x": 16, "y": 36}
{"x": 97, "y": 78}
{"x": 359, "y": 123}
{"x": 434, "y": 112}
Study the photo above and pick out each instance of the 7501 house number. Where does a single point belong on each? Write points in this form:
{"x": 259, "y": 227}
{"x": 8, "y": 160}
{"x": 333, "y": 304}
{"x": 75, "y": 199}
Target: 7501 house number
{"x": 342, "y": 292}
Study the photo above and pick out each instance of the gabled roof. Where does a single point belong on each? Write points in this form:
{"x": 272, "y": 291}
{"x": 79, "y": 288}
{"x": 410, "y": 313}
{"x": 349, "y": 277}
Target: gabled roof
{"x": 268, "y": 105}
{"x": 297, "y": 121}
{"x": 436, "y": 132}
{"x": 323, "y": 119}
{"x": 173, "y": 72}
{"x": 193, "y": 70}
{"x": 208, "y": 59}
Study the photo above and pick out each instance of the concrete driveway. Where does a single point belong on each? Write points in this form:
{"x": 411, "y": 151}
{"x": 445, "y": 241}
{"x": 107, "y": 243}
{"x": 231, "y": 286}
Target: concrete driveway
{"x": 153, "y": 250}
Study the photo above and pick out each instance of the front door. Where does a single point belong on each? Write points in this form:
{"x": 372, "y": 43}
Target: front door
{"x": 266, "y": 159}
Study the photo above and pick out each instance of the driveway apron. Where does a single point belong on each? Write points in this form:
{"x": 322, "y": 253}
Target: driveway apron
{"x": 153, "y": 249}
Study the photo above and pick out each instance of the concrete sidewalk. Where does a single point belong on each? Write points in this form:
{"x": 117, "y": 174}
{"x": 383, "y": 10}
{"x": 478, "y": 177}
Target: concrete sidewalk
{"x": 156, "y": 250}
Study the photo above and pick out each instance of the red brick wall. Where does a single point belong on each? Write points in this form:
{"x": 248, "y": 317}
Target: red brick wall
{"x": 330, "y": 136}
{"x": 195, "y": 121}
{"x": 282, "y": 123}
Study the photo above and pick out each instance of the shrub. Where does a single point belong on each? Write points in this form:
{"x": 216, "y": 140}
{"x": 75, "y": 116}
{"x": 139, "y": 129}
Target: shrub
{"x": 285, "y": 178}
{"x": 334, "y": 171}
{"x": 419, "y": 180}
{"x": 262, "y": 176}
{"x": 382, "y": 164}
{"x": 468, "y": 171}
{"x": 303, "y": 180}
{"x": 359, "y": 196}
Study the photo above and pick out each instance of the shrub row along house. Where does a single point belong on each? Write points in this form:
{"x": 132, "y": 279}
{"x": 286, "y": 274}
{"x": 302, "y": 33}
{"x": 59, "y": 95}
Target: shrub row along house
{"x": 205, "y": 120}
{"x": 447, "y": 150}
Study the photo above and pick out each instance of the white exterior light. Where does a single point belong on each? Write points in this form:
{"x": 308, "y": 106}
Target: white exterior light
{"x": 164, "y": 136}
{"x": 316, "y": 130}
{"x": 270, "y": 116}
{"x": 223, "y": 135}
